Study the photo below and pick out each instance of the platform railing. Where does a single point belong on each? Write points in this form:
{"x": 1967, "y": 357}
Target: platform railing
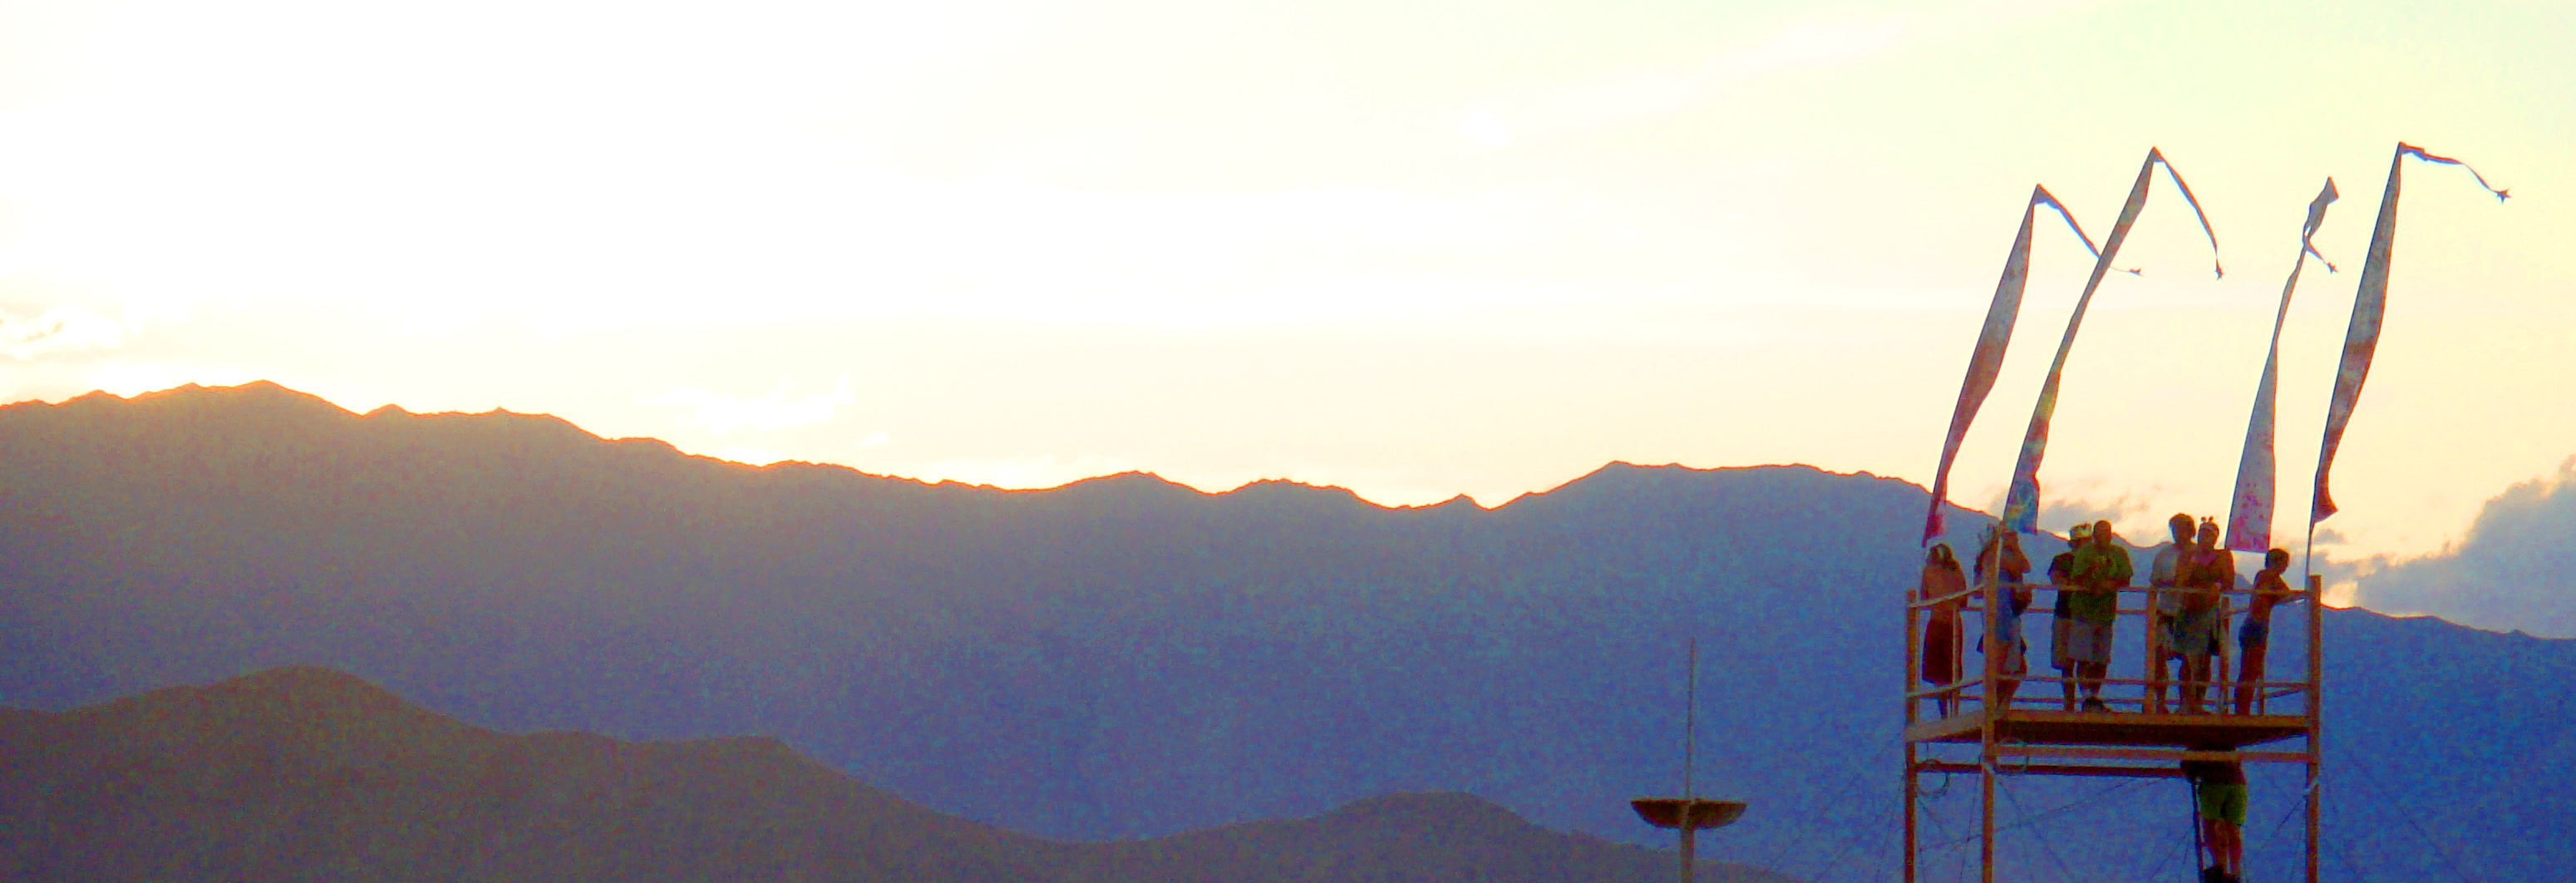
{"x": 2134, "y": 630}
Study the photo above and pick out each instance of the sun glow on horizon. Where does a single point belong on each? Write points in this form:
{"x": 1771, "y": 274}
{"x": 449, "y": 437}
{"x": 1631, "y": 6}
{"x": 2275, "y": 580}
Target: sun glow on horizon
{"x": 1414, "y": 250}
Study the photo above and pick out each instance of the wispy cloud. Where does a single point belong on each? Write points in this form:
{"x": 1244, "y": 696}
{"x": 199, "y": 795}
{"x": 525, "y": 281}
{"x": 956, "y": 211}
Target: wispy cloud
{"x": 2127, "y": 510}
{"x": 2515, "y": 569}
{"x": 59, "y": 329}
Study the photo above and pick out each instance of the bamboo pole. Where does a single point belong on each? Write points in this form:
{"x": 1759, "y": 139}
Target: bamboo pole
{"x": 1905, "y": 688}
{"x": 2316, "y": 716}
{"x": 1988, "y": 712}
{"x": 1986, "y": 811}
{"x": 1912, "y": 788}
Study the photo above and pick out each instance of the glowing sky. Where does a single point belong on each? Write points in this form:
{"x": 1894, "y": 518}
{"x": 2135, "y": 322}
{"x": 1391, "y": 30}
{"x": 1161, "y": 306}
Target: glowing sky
{"x": 1412, "y": 248}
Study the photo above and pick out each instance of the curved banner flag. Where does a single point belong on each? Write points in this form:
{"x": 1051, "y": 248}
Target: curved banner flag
{"x": 2369, "y": 306}
{"x": 2021, "y": 502}
{"x": 1987, "y": 359}
{"x": 2249, "y": 519}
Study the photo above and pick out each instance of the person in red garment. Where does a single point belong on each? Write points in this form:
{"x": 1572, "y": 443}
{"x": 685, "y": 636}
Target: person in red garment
{"x": 1941, "y": 636}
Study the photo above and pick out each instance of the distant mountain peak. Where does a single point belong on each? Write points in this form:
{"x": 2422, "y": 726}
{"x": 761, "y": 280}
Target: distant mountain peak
{"x": 1444, "y": 807}
{"x": 311, "y": 679}
{"x": 296, "y": 694}
{"x": 261, "y": 396}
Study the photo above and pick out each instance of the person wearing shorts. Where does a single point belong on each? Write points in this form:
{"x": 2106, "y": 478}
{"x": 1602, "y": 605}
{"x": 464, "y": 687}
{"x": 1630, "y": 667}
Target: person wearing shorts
{"x": 2254, "y": 638}
{"x": 2218, "y": 787}
{"x": 2061, "y": 575}
{"x": 2160, "y": 574}
{"x": 2205, "y": 572}
{"x": 2001, "y": 555}
{"x": 2101, "y": 570}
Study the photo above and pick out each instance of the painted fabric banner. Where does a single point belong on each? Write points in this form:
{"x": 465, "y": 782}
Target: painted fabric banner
{"x": 2249, "y": 518}
{"x": 2021, "y": 502}
{"x": 1987, "y": 359}
{"x": 2369, "y": 307}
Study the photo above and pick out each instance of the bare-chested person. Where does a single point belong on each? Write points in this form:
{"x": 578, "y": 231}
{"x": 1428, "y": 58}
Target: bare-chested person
{"x": 2255, "y": 636}
{"x": 2205, "y": 571}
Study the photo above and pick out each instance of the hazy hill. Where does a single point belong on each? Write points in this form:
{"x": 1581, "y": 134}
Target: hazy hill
{"x": 1125, "y": 657}
{"x": 309, "y": 774}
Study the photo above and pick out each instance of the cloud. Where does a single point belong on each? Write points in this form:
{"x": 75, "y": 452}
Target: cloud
{"x": 60, "y": 329}
{"x": 2515, "y": 569}
{"x": 2056, "y": 514}
{"x": 777, "y": 410}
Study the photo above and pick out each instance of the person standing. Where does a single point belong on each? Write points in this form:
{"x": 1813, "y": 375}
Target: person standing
{"x": 2254, "y": 638}
{"x": 2061, "y": 575}
{"x": 2001, "y": 555}
{"x": 2218, "y": 790}
{"x": 1941, "y": 635}
{"x": 2101, "y": 570}
{"x": 2202, "y": 576}
{"x": 2160, "y": 576}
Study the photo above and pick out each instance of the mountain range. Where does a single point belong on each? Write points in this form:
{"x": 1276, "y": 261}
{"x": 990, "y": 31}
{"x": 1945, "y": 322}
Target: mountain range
{"x": 305, "y": 773}
{"x": 1126, "y": 658}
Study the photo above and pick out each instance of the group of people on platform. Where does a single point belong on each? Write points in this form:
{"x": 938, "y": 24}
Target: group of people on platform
{"x": 2192, "y": 575}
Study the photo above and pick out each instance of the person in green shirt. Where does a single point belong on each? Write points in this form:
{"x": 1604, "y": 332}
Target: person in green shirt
{"x": 2101, "y": 569}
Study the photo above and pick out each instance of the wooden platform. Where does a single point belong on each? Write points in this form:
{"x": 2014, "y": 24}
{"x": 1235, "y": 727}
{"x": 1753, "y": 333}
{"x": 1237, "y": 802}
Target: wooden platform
{"x": 2206, "y": 732}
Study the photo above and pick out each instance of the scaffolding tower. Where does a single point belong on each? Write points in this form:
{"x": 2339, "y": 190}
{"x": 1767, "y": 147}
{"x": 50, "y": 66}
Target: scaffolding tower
{"x": 2034, "y": 735}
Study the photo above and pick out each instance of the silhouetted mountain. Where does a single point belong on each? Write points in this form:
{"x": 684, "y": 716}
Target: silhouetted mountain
{"x": 309, "y": 774}
{"x": 1125, "y": 657}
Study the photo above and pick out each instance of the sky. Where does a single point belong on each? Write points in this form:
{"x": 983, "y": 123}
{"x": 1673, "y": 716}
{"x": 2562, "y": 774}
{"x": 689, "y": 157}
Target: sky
{"x": 1416, "y": 248}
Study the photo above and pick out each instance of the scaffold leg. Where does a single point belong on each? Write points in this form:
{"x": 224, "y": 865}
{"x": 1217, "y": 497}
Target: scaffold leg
{"x": 2314, "y": 798}
{"x": 1986, "y": 809}
{"x": 1912, "y": 791}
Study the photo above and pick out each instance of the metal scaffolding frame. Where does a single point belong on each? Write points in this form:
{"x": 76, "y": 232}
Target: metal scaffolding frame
{"x": 2149, "y": 742}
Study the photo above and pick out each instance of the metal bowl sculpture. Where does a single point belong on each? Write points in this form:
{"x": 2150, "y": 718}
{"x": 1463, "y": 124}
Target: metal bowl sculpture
{"x": 1670, "y": 812}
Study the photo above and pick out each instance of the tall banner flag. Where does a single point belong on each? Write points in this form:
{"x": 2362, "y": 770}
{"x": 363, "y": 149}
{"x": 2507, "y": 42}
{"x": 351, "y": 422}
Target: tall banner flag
{"x": 2021, "y": 502}
{"x": 1987, "y": 359}
{"x": 2369, "y": 306}
{"x": 2249, "y": 518}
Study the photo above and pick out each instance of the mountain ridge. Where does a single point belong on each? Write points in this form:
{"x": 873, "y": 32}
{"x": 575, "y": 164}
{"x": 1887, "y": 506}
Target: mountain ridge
{"x": 103, "y": 792}
{"x": 1119, "y": 659}
{"x": 264, "y": 399}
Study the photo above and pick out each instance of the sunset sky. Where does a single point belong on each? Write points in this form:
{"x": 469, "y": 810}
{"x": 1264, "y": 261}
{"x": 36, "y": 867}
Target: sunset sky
{"x": 1412, "y": 248}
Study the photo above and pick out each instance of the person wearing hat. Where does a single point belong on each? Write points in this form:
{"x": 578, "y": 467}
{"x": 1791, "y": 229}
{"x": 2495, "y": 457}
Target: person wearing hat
{"x": 2061, "y": 574}
{"x": 2101, "y": 569}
